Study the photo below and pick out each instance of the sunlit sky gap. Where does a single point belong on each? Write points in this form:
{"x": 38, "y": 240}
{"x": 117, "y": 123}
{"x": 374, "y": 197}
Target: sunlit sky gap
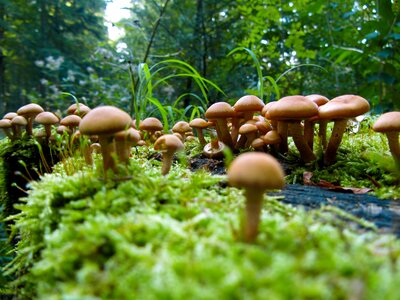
{"x": 115, "y": 11}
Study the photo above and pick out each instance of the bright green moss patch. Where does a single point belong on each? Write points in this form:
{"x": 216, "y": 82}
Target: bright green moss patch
{"x": 175, "y": 237}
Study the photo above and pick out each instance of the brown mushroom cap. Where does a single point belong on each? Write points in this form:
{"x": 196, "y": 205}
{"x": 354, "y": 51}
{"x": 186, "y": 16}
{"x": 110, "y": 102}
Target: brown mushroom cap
{"x": 19, "y": 120}
{"x": 29, "y": 110}
{"x": 220, "y": 110}
{"x": 198, "y": 123}
{"x": 168, "y": 144}
{"x": 5, "y": 123}
{"x": 105, "y": 120}
{"x": 71, "y": 121}
{"x": 317, "y": 99}
{"x": 46, "y": 118}
{"x": 292, "y": 108}
{"x": 248, "y": 103}
{"x": 256, "y": 171}
{"x": 344, "y": 107}
{"x": 79, "y": 109}
{"x": 151, "y": 124}
{"x": 181, "y": 127}
{"x": 389, "y": 121}
{"x": 10, "y": 115}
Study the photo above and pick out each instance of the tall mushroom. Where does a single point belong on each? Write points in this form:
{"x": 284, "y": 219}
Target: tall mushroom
{"x": 309, "y": 124}
{"x": 219, "y": 113}
{"x": 150, "y": 126}
{"x": 339, "y": 110}
{"x": 289, "y": 112}
{"x": 47, "y": 119}
{"x": 199, "y": 124}
{"x": 29, "y": 112}
{"x": 389, "y": 123}
{"x": 255, "y": 172}
{"x": 168, "y": 144}
{"x": 105, "y": 121}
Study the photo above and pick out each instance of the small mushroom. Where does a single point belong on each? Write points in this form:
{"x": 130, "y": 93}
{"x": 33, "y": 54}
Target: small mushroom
{"x": 256, "y": 173}
{"x": 105, "y": 121}
{"x": 5, "y": 125}
{"x": 47, "y": 119}
{"x": 17, "y": 124}
{"x": 150, "y": 126}
{"x": 389, "y": 123}
{"x": 181, "y": 127}
{"x": 168, "y": 144}
{"x": 29, "y": 111}
{"x": 219, "y": 113}
{"x": 124, "y": 140}
{"x": 199, "y": 125}
{"x": 339, "y": 110}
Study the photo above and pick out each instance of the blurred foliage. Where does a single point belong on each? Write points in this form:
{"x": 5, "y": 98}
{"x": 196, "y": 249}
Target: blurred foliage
{"x": 52, "y": 46}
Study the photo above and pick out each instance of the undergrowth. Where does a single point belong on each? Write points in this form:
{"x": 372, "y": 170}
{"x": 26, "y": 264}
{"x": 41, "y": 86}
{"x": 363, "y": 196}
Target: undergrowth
{"x": 151, "y": 237}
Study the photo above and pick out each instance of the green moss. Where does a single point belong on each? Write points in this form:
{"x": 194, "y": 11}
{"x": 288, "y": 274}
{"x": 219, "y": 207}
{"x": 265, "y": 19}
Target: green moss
{"x": 174, "y": 237}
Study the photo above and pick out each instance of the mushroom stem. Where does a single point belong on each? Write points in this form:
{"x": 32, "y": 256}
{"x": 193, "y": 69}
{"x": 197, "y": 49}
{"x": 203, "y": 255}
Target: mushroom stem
{"x": 283, "y": 133}
{"x": 252, "y": 216}
{"x": 166, "y": 162}
{"x": 223, "y": 132}
{"x": 334, "y": 141}
{"x": 309, "y": 133}
{"x": 200, "y": 136}
{"x": 107, "y": 151}
{"x": 322, "y": 132}
{"x": 393, "y": 140}
{"x": 307, "y": 155}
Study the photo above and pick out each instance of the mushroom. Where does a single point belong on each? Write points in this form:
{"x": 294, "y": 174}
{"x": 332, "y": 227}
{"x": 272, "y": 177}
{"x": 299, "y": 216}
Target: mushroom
{"x": 17, "y": 123}
{"x": 105, "y": 121}
{"x": 168, "y": 144}
{"x": 248, "y": 132}
{"x": 10, "y": 115}
{"x": 71, "y": 121}
{"x": 389, "y": 123}
{"x": 309, "y": 124}
{"x": 150, "y": 125}
{"x": 47, "y": 119}
{"x": 214, "y": 149}
{"x": 256, "y": 173}
{"x": 5, "y": 125}
{"x": 199, "y": 124}
{"x": 258, "y": 144}
{"x": 124, "y": 140}
{"x": 29, "y": 111}
{"x": 181, "y": 128}
{"x": 340, "y": 109}
{"x": 219, "y": 113}
{"x": 273, "y": 139}
{"x": 78, "y": 109}
{"x": 289, "y": 111}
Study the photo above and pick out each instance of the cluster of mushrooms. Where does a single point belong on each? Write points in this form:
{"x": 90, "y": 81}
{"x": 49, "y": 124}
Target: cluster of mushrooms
{"x": 248, "y": 124}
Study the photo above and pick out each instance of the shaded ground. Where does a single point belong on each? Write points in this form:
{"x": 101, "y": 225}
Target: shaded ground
{"x": 385, "y": 214}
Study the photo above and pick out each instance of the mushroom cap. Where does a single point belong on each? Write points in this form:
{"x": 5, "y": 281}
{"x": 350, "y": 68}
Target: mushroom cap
{"x": 5, "y": 123}
{"x": 212, "y": 152}
{"x": 29, "y": 110}
{"x": 79, "y": 109}
{"x": 46, "y": 118}
{"x": 292, "y": 108}
{"x": 272, "y": 137}
{"x": 248, "y": 103}
{"x": 71, "y": 121}
{"x": 181, "y": 127}
{"x": 105, "y": 120}
{"x": 168, "y": 143}
{"x": 151, "y": 124}
{"x": 62, "y": 128}
{"x": 387, "y": 122}
{"x": 10, "y": 115}
{"x": 318, "y": 99}
{"x": 19, "y": 120}
{"x": 221, "y": 110}
{"x": 198, "y": 123}
{"x": 130, "y": 135}
{"x": 247, "y": 128}
{"x": 256, "y": 170}
{"x": 344, "y": 107}
{"x": 257, "y": 143}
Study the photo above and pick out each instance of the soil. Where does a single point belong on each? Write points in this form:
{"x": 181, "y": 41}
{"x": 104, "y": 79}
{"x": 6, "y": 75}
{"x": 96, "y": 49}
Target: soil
{"x": 385, "y": 214}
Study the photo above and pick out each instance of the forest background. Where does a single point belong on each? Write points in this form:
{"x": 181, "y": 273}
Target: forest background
{"x": 52, "y": 47}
